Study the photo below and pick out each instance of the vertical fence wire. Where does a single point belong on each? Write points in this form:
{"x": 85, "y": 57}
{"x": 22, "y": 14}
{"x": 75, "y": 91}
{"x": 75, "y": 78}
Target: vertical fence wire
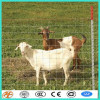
{"x": 18, "y": 70}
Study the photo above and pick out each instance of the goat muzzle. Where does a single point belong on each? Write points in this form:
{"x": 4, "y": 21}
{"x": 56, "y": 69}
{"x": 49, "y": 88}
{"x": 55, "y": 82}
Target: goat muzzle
{"x": 23, "y": 53}
{"x": 39, "y": 33}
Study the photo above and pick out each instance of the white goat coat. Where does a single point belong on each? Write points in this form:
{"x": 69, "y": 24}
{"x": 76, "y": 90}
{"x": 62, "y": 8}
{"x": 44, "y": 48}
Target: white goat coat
{"x": 66, "y": 42}
{"x": 49, "y": 60}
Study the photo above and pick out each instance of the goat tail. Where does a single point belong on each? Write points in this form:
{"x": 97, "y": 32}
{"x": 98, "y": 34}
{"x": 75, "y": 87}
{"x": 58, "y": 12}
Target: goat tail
{"x": 84, "y": 39}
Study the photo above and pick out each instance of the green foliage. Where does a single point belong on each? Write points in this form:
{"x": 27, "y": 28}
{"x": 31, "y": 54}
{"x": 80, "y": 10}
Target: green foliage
{"x": 20, "y": 22}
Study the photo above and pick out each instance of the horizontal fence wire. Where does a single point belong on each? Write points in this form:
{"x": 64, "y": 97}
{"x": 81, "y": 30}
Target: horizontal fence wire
{"x": 23, "y": 25}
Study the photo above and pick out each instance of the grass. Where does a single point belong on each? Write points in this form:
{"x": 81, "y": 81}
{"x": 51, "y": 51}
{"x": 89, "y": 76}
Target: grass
{"x": 20, "y": 22}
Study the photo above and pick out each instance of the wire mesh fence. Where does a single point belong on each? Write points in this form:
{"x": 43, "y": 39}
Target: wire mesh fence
{"x": 21, "y": 22}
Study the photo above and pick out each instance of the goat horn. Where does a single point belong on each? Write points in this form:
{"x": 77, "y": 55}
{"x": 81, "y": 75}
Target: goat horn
{"x": 17, "y": 47}
{"x": 41, "y": 28}
{"x": 47, "y": 27}
{"x": 52, "y": 32}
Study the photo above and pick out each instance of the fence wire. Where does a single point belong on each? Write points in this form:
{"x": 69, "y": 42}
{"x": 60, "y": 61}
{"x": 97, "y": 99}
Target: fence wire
{"x": 22, "y": 23}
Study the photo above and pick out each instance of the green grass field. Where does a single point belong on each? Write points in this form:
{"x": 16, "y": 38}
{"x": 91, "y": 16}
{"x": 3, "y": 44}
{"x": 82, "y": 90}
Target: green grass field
{"x": 21, "y": 22}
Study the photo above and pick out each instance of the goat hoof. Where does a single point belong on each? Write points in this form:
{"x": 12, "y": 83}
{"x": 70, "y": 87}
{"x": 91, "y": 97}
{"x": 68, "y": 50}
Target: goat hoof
{"x": 64, "y": 84}
{"x": 78, "y": 68}
{"x": 72, "y": 70}
{"x": 45, "y": 84}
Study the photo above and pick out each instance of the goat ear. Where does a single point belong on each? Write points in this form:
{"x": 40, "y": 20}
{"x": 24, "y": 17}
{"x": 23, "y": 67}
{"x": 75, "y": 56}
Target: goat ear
{"x": 51, "y": 32}
{"x": 41, "y": 28}
{"x": 17, "y": 47}
{"x": 47, "y": 27}
{"x": 61, "y": 44}
{"x": 60, "y": 40}
{"x": 28, "y": 46}
{"x": 40, "y": 33}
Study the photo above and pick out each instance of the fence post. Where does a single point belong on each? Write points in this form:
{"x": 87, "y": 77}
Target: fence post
{"x": 92, "y": 49}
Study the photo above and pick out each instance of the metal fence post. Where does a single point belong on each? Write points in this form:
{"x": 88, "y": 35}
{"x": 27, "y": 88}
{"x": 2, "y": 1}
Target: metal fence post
{"x": 92, "y": 49}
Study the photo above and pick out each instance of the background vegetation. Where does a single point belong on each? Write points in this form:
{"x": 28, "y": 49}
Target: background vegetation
{"x": 21, "y": 22}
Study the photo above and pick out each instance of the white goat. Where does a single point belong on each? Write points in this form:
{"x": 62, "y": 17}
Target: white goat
{"x": 47, "y": 60}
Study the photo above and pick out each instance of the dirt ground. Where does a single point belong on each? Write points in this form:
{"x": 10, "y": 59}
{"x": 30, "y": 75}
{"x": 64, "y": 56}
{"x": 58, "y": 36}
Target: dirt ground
{"x": 21, "y": 68}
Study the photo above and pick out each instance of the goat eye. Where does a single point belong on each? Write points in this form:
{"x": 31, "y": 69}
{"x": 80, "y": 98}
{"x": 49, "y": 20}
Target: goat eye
{"x": 40, "y": 33}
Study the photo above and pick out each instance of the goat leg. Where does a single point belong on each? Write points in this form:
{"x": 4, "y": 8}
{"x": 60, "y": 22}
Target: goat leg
{"x": 66, "y": 75}
{"x": 44, "y": 77}
{"x": 78, "y": 62}
{"x": 74, "y": 63}
{"x": 37, "y": 76}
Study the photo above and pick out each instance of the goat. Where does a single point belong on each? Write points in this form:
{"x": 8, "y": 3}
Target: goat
{"x": 50, "y": 44}
{"x": 47, "y": 60}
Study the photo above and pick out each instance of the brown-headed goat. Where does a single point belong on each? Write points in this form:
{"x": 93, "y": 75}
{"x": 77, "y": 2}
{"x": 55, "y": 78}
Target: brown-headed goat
{"x": 50, "y": 44}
